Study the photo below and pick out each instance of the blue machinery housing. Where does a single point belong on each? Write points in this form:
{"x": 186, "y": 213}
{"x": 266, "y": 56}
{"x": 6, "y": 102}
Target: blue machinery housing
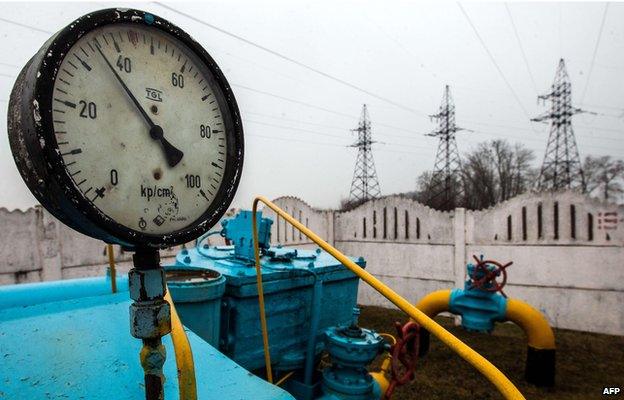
{"x": 289, "y": 277}
{"x": 64, "y": 339}
{"x": 309, "y": 301}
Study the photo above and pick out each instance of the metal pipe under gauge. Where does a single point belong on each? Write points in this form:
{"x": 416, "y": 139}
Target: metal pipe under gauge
{"x": 126, "y": 130}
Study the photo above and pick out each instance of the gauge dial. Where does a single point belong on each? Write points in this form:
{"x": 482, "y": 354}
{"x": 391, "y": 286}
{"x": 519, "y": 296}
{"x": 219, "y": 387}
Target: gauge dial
{"x": 136, "y": 125}
{"x": 139, "y": 127}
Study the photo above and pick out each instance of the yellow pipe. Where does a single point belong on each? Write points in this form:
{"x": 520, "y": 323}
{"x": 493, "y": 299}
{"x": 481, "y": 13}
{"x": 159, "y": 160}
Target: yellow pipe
{"x": 111, "y": 264}
{"x": 382, "y": 375}
{"x": 435, "y": 302}
{"x": 183, "y": 355}
{"x": 263, "y": 322}
{"x": 502, "y": 383}
{"x": 282, "y": 380}
{"x": 388, "y": 336}
{"x": 538, "y": 331}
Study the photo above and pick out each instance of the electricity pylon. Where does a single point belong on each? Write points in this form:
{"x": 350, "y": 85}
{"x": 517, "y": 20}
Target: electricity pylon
{"x": 445, "y": 185}
{"x": 365, "y": 185}
{"x": 561, "y": 168}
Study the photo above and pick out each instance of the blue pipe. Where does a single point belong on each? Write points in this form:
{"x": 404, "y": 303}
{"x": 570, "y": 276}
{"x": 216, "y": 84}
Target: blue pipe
{"x": 29, "y": 294}
{"x": 317, "y": 295}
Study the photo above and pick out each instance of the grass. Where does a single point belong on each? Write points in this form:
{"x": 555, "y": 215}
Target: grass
{"x": 586, "y": 362}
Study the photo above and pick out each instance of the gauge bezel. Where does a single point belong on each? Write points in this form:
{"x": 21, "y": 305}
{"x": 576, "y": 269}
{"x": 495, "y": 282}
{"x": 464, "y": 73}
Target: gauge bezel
{"x": 45, "y": 173}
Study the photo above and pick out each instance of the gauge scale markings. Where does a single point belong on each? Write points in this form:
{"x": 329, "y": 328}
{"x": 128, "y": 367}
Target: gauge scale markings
{"x": 109, "y": 40}
{"x": 119, "y": 139}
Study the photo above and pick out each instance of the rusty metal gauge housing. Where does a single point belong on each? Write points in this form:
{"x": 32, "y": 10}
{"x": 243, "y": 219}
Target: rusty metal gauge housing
{"x": 125, "y": 129}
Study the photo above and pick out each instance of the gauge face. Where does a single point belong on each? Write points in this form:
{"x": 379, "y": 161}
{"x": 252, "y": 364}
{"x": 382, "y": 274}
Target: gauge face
{"x": 136, "y": 129}
{"x": 116, "y": 86}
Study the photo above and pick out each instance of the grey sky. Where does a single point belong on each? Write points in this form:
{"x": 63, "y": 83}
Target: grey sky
{"x": 403, "y": 51}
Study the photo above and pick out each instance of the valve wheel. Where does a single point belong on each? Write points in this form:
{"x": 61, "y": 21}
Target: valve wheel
{"x": 404, "y": 356}
{"x": 489, "y": 276}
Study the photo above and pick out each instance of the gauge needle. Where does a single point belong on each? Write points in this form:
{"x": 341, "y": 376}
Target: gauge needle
{"x": 172, "y": 153}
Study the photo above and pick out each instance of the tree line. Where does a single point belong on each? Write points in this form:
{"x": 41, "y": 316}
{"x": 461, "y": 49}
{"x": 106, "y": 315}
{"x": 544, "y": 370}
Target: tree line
{"x": 497, "y": 170}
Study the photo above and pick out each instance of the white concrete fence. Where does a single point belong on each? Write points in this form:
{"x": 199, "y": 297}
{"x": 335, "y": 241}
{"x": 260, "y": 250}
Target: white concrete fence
{"x": 567, "y": 249}
{"x": 35, "y": 246}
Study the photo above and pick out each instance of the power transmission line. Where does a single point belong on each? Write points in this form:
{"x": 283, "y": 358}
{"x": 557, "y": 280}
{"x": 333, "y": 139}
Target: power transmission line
{"x": 291, "y": 60}
{"x": 293, "y": 140}
{"x": 591, "y": 66}
{"x": 411, "y": 131}
{"x": 34, "y": 28}
{"x": 560, "y": 28}
{"x": 523, "y": 138}
{"x": 323, "y": 134}
{"x": 327, "y": 135}
{"x": 405, "y": 49}
{"x": 325, "y": 109}
{"x": 403, "y": 129}
{"x": 411, "y": 137}
{"x": 603, "y": 106}
{"x": 335, "y": 127}
{"x": 292, "y": 128}
{"x": 212, "y": 49}
{"x": 325, "y": 144}
{"x": 535, "y": 139}
{"x": 277, "y": 96}
{"x": 487, "y": 50}
{"x": 338, "y": 128}
{"x": 9, "y": 65}
{"x": 524, "y": 56}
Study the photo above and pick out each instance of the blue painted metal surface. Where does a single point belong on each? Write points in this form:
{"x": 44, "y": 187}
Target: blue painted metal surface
{"x": 479, "y": 308}
{"x": 27, "y": 294}
{"x": 351, "y": 350}
{"x": 197, "y": 294}
{"x": 238, "y": 231}
{"x": 288, "y": 276}
{"x": 317, "y": 296}
{"x": 81, "y": 349}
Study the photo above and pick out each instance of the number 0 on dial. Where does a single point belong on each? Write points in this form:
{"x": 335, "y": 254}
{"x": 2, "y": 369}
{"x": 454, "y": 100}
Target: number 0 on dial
{"x": 125, "y": 129}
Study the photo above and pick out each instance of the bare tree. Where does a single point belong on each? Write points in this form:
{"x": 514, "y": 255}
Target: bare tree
{"x": 604, "y": 177}
{"x": 495, "y": 171}
{"x": 479, "y": 176}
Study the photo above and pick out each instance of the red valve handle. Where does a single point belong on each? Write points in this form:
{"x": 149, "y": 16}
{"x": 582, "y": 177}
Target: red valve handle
{"x": 404, "y": 356}
{"x": 489, "y": 276}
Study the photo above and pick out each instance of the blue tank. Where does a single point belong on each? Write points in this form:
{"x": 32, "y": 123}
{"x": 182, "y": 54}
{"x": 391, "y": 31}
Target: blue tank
{"x": 289, "y": 276}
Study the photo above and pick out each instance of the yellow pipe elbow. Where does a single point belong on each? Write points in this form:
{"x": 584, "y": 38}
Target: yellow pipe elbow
{"x": 183, "y": 355}
{"x": 538, "y": 331}
{"x": 435, "y": 302}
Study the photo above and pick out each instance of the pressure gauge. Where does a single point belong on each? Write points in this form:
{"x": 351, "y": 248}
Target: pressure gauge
{"x": 125, "y": 129}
